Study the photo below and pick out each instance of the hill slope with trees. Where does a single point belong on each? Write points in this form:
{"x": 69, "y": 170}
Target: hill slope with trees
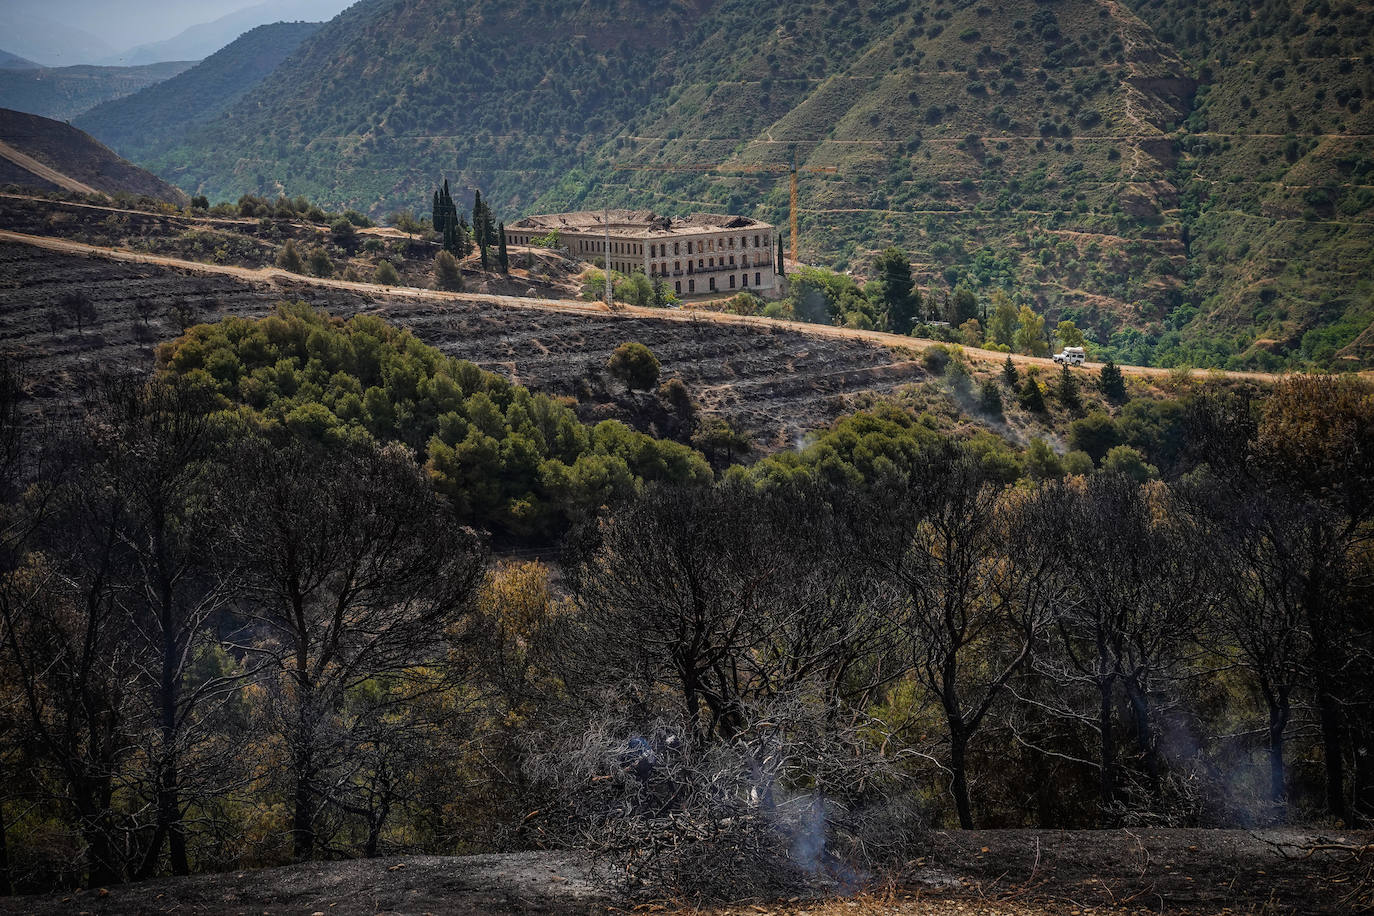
{"x": 140, "y": 124}
{"x": 1146, "y": 170}
{"x": 65, "y": 92}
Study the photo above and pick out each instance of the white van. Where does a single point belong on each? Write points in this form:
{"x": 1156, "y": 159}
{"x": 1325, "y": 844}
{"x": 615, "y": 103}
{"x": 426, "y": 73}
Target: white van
{"x": 1071, "y": 356}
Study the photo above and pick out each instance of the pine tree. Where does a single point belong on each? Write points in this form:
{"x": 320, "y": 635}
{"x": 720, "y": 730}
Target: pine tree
{"x": 1009, "y": 373}
{"x": 502, "y": 257}
{"x": 1112, "y": 383}
{"x": 1068, "y": 389}
{"x": 1032, "y": 398}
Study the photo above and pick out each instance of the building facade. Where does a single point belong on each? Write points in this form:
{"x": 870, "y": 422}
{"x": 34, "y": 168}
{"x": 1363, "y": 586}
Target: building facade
{"x": 699, "y": 255}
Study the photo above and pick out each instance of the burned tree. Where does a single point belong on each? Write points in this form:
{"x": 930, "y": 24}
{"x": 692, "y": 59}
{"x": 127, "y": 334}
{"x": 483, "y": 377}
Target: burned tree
{"x": 969, "y": 616}
{"x": 1136, "y": 587}
{"x": 353, "y": 570}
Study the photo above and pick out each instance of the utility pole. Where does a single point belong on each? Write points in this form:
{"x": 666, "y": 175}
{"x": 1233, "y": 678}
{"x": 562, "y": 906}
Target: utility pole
{"x": 606, "y": 224}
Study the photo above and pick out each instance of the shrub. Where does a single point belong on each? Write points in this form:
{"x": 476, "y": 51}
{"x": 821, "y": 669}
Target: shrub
{"x": 935, "y": 359}
{"x": 343, "y": 231}
{"x": 320, "y": 265}
{"x": 635, "y": 365}
{"x": 386, "y": 274}
{"x": 290, "y": 259}
{"x": 447, "y": 274}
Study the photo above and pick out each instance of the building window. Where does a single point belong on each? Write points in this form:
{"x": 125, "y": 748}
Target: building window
{"x": 677, "y": 287}
{"x": 675, "y": 251}
{"x": 713, "y": 284}
{"x": 732, "y": 260}
{"x": 744, "y": 280}
{"x": 701, "y": 263}
{"x": 689, "y": 247}
{"x": 691, "y": 286}
{"x": 756, "y": 241}
{"x": 732, "y": 281}
{"x": 653, "y": 251}
{"x": 677, "y": 265}
{"x": 757, "y": 280}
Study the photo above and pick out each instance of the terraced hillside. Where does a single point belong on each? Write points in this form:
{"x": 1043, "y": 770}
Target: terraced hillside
{"x": 1189, "y": 184}
{"x": 775, "y": 383}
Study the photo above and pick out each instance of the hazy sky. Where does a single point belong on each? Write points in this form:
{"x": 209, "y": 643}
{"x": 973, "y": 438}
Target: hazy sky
{"x": 79, "y": 29}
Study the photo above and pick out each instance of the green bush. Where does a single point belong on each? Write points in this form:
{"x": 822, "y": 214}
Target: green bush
{"x": 635, "y": 365}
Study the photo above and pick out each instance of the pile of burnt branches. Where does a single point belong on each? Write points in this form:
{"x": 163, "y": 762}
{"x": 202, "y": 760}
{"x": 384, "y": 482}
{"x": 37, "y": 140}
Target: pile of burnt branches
{"x": 789, "y": 801}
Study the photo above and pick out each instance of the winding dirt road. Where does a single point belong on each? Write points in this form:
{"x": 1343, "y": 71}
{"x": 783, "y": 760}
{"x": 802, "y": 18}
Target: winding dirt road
{"x": 375, "y": 291}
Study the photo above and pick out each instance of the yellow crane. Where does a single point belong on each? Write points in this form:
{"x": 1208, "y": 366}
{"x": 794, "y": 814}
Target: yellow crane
{"x": 746, "y": 168}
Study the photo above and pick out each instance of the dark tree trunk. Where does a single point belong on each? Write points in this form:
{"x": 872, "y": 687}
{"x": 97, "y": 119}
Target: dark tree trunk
{"x": 958, "y": 764}
{"x": 1278, "y": 775}
{"x": 1144, "y": 736}
{"x": 303, "y": 816}
{"x": 1333, "y": 747}
{"x": 1107, "y": 753}
{"x": 6, "y": 887}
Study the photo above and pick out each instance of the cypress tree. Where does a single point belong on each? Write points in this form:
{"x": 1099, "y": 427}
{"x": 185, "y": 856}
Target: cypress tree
{"x": 464, "y": 238}
{"x": 479, "y": 224}
{"x": 782, "y": 271}
{"x": 502, "y": 257}
{"x": 436, "y": 219}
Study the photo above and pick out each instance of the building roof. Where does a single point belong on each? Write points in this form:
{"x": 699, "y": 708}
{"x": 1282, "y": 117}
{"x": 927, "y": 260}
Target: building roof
{"x": 636, "y": 223}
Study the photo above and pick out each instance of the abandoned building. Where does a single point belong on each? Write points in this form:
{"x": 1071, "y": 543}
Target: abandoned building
{"x": 696, "y": 255}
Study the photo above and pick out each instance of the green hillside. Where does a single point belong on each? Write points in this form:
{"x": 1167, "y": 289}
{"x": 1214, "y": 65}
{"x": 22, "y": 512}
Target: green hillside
{"x": 1191, "y": 187}
{"x": 146, "y": 123}
{"x": 65, "y": 92}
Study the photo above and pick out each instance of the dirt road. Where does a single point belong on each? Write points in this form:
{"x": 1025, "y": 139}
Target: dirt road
{"x": 33, "y": 166}
{"x": 412, "y": 294}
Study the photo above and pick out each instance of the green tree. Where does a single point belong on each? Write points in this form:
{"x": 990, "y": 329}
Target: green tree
{"x": 320, "y": 264}
{"x": 781, "y": 265}
{"x": 290, "y": 259}
{"x": 1069, "y": 335}
{"x": 990, "y": 398}
{"x": 1032, "y": 398}
{"x": 1002, "y": 321}
{"x": 900, "y": 301}
{"x": 963, "y": 305}
{"x": 1009, "y": 374}
{"x": 1030, "y": 333}
{"x": 447, "y": 274}
{"x": 343, "y": 231}
{"x": 1123, "y": 459}
{"x": 635, "y": 365}
{"x": 720, "y": 442}
{"x": 1096, "y": 434}
{"x": 971, "y": 332}
{"x": 1041, "y": 461}
{"x": 502, "y": 257}
{"x": 1067, "y": 391}
{"x": 1111, "y": 382}
{"x": 386, "y": 274}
